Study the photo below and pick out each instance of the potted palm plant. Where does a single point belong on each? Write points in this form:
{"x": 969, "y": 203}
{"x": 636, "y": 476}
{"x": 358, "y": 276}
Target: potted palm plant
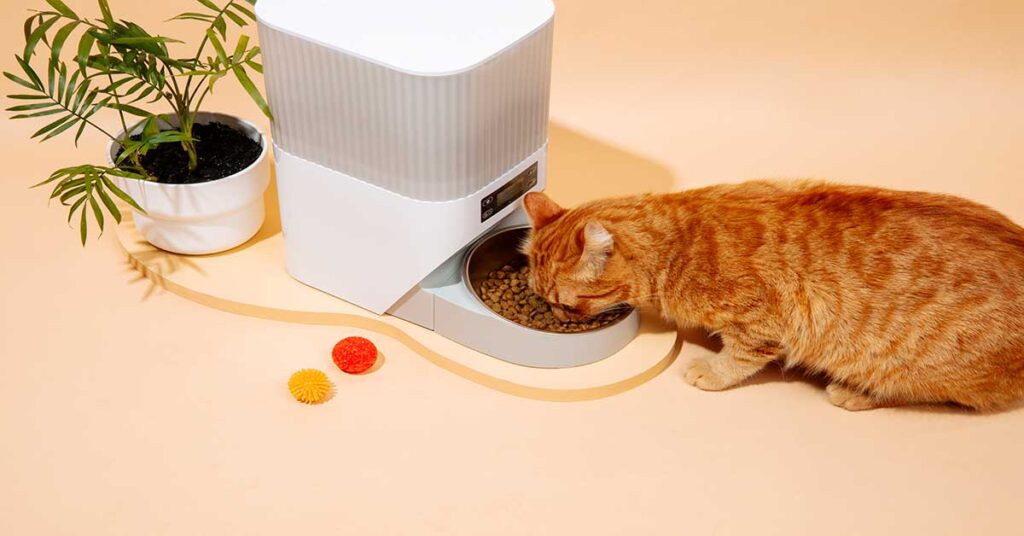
{"x": 194, "y": 180}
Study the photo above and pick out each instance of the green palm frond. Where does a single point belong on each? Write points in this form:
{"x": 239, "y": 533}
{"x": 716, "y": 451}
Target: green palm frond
{"x": 71, "y": 98}
{"x": 86, "y": 190}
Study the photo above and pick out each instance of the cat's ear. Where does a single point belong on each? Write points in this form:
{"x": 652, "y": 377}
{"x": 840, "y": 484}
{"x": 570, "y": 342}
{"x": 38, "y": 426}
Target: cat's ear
{"x": 598, "y": 244}
{"x": 541, "y": 209}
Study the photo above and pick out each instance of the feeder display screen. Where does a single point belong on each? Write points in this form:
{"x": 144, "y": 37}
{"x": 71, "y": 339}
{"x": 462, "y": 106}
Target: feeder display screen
{"x": 512, "y": 190}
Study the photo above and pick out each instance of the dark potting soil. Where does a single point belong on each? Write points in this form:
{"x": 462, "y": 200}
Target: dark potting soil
{"x": 221, "y": 151}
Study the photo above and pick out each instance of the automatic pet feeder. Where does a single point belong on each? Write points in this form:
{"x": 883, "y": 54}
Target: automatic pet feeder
{"x": 406, "y": 134}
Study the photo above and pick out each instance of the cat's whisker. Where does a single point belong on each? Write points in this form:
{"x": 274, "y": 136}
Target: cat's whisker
{"x": 614, "y": 308}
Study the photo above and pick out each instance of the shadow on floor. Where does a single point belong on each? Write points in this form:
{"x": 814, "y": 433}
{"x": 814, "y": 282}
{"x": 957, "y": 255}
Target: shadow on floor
{"x": 582, "y": 168}
{"x": 150, "y": 264}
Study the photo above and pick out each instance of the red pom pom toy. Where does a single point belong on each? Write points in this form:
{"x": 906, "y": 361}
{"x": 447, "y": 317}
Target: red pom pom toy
{"x": 354, "y": 355}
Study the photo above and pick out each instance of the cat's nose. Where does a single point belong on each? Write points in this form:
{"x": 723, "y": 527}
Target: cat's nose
{"x": 563, "y": 315}
{"x": 560, "y": 315}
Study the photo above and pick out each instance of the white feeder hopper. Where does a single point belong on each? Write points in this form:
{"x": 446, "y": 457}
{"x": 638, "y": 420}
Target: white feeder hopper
{"x": 404, "y": 131}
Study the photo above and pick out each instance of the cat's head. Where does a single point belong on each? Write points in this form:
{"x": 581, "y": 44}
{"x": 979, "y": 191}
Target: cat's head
{"x": 574, "y": 262}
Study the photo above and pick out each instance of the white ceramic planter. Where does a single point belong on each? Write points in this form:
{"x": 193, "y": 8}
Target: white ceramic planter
{"x": 207, "y": 217}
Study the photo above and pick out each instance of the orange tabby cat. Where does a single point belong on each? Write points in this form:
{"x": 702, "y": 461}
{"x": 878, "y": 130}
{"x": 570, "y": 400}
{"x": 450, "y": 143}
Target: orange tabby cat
{"x": 899, "y": 297}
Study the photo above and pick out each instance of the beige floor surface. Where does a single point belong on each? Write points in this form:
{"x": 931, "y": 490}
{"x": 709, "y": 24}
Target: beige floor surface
{"x": 125, "y": 410}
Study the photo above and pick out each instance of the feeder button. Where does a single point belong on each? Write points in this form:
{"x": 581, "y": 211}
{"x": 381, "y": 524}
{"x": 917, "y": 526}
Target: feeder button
{"x": 487, "y": 201}
{"x": 488, "y": 213}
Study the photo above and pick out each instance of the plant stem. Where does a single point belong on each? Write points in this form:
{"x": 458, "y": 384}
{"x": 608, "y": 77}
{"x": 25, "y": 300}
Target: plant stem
{"x": 124, "y": 125}
{"x": 162, "y": 94}
{"x": 87, "y": 121}
{"x": 117, "y": 99}
{"x": 169, "y": 73}
{"x": 202, "y": 45}
{"x": 201, "y": 97}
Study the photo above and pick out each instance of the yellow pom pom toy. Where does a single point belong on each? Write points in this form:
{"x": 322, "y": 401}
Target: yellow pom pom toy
{"x": 310, "y": 386}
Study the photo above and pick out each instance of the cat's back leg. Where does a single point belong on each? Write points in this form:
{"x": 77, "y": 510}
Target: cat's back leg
{"x": 997, "y": 381}
{"x": 850, "y": 399}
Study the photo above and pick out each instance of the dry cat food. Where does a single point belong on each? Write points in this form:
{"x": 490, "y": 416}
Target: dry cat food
{"x": 507, "y": 292}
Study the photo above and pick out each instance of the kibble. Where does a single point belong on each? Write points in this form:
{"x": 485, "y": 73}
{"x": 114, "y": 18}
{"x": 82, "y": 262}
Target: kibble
{"x": 506, "y": 291}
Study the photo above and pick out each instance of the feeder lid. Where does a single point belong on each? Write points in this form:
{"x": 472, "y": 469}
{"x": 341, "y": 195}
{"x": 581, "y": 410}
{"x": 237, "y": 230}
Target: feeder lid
{"x": 423, "y": 37}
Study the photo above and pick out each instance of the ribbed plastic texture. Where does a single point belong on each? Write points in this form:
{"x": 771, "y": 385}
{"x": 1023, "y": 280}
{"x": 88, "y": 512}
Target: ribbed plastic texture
{"x": 432, "y": 138}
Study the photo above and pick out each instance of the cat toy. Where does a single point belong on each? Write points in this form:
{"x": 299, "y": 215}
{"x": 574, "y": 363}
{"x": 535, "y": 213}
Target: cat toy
{"x": 310, "y": 386}
{"x": 354, "y": 355}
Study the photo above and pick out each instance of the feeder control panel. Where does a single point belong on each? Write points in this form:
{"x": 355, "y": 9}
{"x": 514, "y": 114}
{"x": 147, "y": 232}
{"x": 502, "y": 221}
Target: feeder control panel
{"x": 509, "y": 192}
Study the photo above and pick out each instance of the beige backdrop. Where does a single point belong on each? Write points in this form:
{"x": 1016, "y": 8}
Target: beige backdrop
{"x": 125, "y": 411}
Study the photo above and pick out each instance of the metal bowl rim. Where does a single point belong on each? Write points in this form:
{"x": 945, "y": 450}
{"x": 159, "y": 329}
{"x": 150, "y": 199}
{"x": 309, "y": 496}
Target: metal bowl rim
{"x": 466, "y": 281}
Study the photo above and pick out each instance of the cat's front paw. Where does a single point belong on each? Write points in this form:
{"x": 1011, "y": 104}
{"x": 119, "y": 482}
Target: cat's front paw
{"x": 701, "y": 373}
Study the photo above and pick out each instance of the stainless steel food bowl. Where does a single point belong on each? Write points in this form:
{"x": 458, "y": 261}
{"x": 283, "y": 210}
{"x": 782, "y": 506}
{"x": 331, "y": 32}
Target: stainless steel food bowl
{"x": 460, "y": 314}
{"x": 494, "y": 251}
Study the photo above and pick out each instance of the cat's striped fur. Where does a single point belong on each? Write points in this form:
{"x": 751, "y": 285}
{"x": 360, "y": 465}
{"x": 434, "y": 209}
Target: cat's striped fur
{"x": 899, "y": 297}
